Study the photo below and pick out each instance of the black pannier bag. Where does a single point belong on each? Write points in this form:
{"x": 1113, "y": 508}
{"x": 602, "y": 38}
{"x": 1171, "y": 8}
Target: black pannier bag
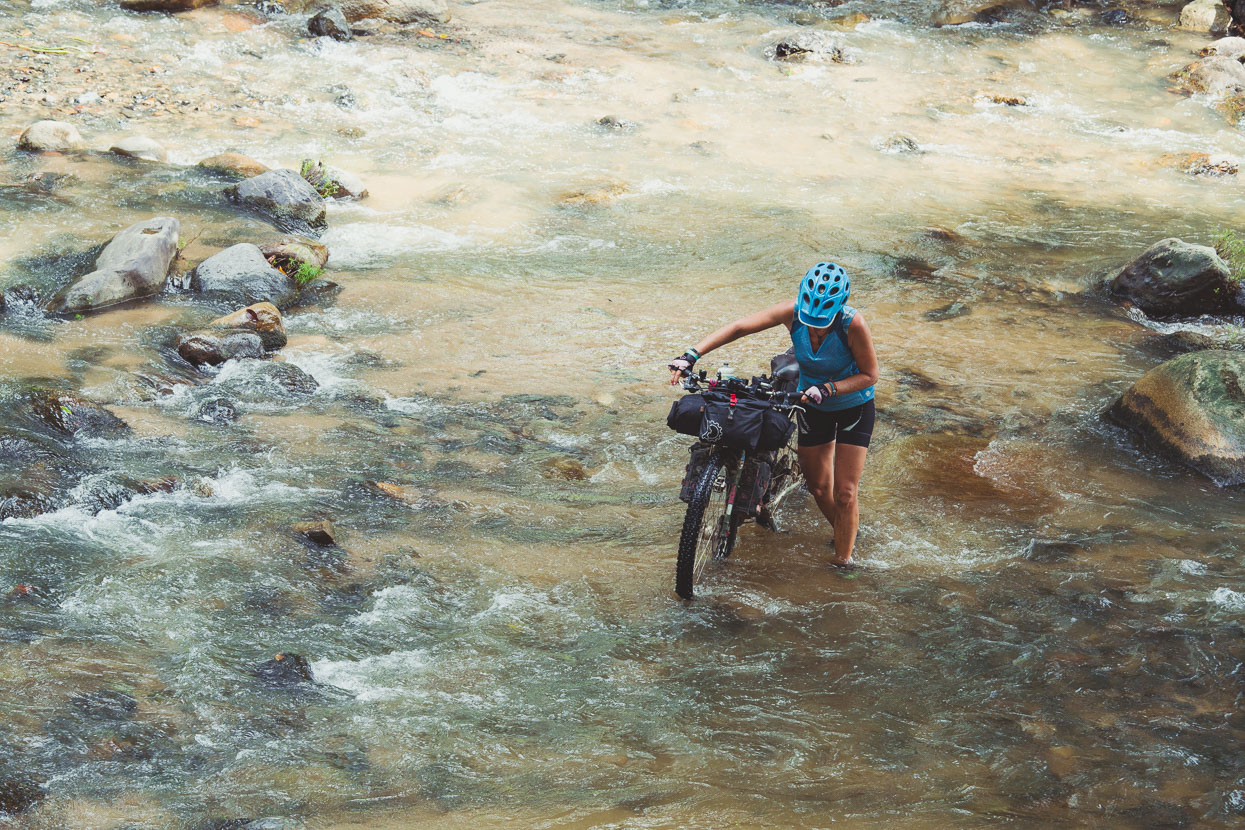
{"x": 695, "y": 466}
{"x": 740, "y": 424}
{"x": 753, "y": 483}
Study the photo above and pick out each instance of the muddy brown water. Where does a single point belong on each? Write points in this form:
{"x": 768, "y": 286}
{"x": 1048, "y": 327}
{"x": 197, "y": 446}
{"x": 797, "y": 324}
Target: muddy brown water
{"x": 1048, "y": 629}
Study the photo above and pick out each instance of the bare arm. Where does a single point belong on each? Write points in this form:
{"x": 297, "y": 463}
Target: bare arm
{"x": 860, "y": 341}
{"x": 775, "y": 315}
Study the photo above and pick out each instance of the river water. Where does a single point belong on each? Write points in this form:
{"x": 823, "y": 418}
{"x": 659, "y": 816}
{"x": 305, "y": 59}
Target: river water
{"x": 1047, "y": 631}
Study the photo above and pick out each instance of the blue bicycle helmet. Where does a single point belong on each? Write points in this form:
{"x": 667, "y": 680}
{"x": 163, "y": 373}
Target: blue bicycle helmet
{"x": 822, "y": 293}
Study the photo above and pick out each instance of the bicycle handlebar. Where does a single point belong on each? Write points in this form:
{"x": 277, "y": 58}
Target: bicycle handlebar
{"x": 756, "y": 388}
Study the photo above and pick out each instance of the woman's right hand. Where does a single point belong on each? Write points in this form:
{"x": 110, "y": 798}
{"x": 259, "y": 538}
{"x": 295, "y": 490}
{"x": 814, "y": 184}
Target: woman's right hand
{"x": 681, "y": 364}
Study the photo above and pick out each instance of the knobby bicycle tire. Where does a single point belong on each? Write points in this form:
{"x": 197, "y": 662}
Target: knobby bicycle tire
{"x": 693, "y": 521}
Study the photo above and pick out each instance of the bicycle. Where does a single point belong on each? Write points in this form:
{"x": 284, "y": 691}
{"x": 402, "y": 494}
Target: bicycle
{"x": 711, "y": 525}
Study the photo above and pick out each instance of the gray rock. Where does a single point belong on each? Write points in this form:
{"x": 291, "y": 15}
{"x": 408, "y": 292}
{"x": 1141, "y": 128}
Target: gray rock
{"x": 289, "y": 252}
{"x": 240, "y": 275}
{"x": 1175, "y": 278}
{"x": 1193, "y": 408}
{"x": 50, "y": 137}
{"x": 285, "y": 198}
{"x": 1228, "y": 47}
{"x": 139, "y": 147}
{"x": 398, "y": 11}
{"x": 215, "y": 411}
{"x": 134, "y": 264}
{"x": 1215, "y": 75}
{"x": 330, "y": 22}
{"x": 203, "y": 348}
{"x": 1205, "y": 16}
{"x": 332, "y": 181}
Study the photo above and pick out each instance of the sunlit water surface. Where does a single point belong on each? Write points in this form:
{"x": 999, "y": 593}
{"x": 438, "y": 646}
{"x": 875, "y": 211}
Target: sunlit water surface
{"x": 1048, "y": 629}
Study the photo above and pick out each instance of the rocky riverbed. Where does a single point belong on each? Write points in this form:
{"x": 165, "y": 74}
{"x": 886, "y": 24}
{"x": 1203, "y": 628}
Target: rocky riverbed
{"x": 337, "y": 491}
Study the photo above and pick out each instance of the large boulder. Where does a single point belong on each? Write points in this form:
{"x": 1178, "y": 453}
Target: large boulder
{"x": 1193, "y": 407}
{"x": 285, "y": 198}
{"x": 139, "y": 147}
{"x": 134, "y": 264}
{"x": 234, "y": 164}
{"x": 50, "y": 137}
{"x": 398, "y": 11}
{"x": 332, "y": 181}
{"x": 1205, "y": 16}
{"x": 1227, "y": 47}
{"x": 169, "y": 6}
{"x": 290, "y": 252}
{"x": 1215, "y": 75}
{"x": 261, "y": 319}
{"x": 240, "y": 275}
{"x": 1175, "y": 278}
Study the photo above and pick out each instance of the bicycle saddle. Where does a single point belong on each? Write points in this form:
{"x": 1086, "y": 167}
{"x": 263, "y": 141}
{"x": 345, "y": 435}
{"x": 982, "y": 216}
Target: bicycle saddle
{"x": 784, "y": 372}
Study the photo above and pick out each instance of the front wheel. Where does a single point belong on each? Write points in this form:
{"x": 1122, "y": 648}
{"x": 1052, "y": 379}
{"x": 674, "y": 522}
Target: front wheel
{"x": 708, "y": 533}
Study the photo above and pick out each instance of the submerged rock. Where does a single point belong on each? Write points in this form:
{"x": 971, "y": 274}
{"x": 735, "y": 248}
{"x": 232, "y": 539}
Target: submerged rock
{"x": 332, "y": 181}
{"x": 133, "y": 265}
{"x": 50, "y": 137}
{"x": 955, "y": 12}
{"x": 290, "y": 252}
{"x": 22, "y": 503}
{"x": 203, "y": 348}
{"x": 69, "y": 414}
{"x": 594, "y": 194}
{"x": 242, "y": 276}
{"x": 329, "y": 22}
{"x": 289, "y": 378}
{"x": 1174, "y": 278}
{"x": 262, "y": 319}
{"x": 1192, "y": 407}
{"x": 1205, "y": 16}
{"x": 139, "y": 147}
{"x": 18, "y": 794}
{"x": 285, "y": 198}
{"x": 948, "y": 312}
{"x": 105, "y": 704}
{"x": 398, "y": 11}
{"x": 215, "y": 411}
{"x": 234, "y": 164}
{"x": 285, "y": 670}
{"x": 902, "y": 145}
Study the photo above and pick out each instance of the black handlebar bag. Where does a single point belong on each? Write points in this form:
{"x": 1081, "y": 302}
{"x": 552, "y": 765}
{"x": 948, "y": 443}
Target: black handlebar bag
{"x": 729, "y": 421}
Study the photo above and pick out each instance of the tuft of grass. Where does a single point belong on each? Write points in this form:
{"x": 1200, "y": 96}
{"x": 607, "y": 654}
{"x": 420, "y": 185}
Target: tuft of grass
{"x": 326, "y": 187}
{"x": 306, "y": 273}
{"x": 1231, "y": 247}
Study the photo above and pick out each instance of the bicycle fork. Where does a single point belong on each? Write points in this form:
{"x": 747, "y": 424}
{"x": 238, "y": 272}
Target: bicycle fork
{"x": 733, "y": 489}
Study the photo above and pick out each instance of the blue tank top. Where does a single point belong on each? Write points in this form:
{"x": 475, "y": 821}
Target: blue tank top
{"x": 832, "y": 361}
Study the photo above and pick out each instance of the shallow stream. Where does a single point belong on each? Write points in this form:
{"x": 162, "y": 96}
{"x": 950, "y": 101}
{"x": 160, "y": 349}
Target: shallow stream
{"x": 1048, "y": 630}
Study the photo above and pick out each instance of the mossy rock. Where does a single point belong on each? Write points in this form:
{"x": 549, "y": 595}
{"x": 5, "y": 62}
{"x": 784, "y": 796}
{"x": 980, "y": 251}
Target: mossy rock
{"x": 1193, "y": 408}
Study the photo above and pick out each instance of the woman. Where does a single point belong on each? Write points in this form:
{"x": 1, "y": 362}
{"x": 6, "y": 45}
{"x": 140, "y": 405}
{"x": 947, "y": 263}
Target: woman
{"x": 838, "y": 369}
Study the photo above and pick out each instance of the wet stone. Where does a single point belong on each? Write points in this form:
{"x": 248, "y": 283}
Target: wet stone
{"x": 71, "y": 415}
{"x": 106, "y": 704}
{"x": 50, "y": 137}
{"x": 290, "y": 379}
{"x": 285, "y": 198}
{"x": 1175, "y": 278}
{"x": 332, "y": 182}
{"x": 242, "y": 276}
{"x": 216, "y": 411}
{"x": 320, "y": 533}
{"x": 329, "y": 22}
{"x": 25, "y": 504}
{"x": 948, "y": 312}
{"x": 290, "y": 252}
{"x": 319, "y": 292}
{"x": 1051, "y": 550}
{"x": 397, "y": 11}
{"x": 262, "y": 319}
{"x": 901, "y": 144}
{"x": 139, "y": 147}
{"x": 207, "y": 349}
{"x": 234, "y": 164}
{"x": 18, "y": 794}
{"x": 285, "y": 670}
{"x": 28, "y": 593}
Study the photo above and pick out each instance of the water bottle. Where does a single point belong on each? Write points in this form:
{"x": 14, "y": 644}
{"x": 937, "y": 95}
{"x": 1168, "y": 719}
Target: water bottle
{"x": 726, "y": 372}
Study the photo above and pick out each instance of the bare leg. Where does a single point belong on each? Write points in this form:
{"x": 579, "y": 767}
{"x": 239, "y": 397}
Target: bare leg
{"x": 849, "y": 464}
{"x": 817, "y": 464}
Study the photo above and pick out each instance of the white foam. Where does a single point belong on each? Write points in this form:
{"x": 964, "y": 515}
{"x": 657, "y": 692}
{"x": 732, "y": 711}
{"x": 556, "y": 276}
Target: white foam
{"x": 1228, "y": 599}
{"x": 383, "y": 677}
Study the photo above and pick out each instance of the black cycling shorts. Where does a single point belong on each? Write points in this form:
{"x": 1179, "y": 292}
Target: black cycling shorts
{"x": 847, "y": 426}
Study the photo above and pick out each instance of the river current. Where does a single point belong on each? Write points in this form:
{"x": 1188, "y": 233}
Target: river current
{"x": 1048, "y": 628}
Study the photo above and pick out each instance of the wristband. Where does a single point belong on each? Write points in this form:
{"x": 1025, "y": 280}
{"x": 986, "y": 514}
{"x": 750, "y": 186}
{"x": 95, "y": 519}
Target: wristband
{"x": 692, "y": 351}
{"x": 833, "y": 390}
